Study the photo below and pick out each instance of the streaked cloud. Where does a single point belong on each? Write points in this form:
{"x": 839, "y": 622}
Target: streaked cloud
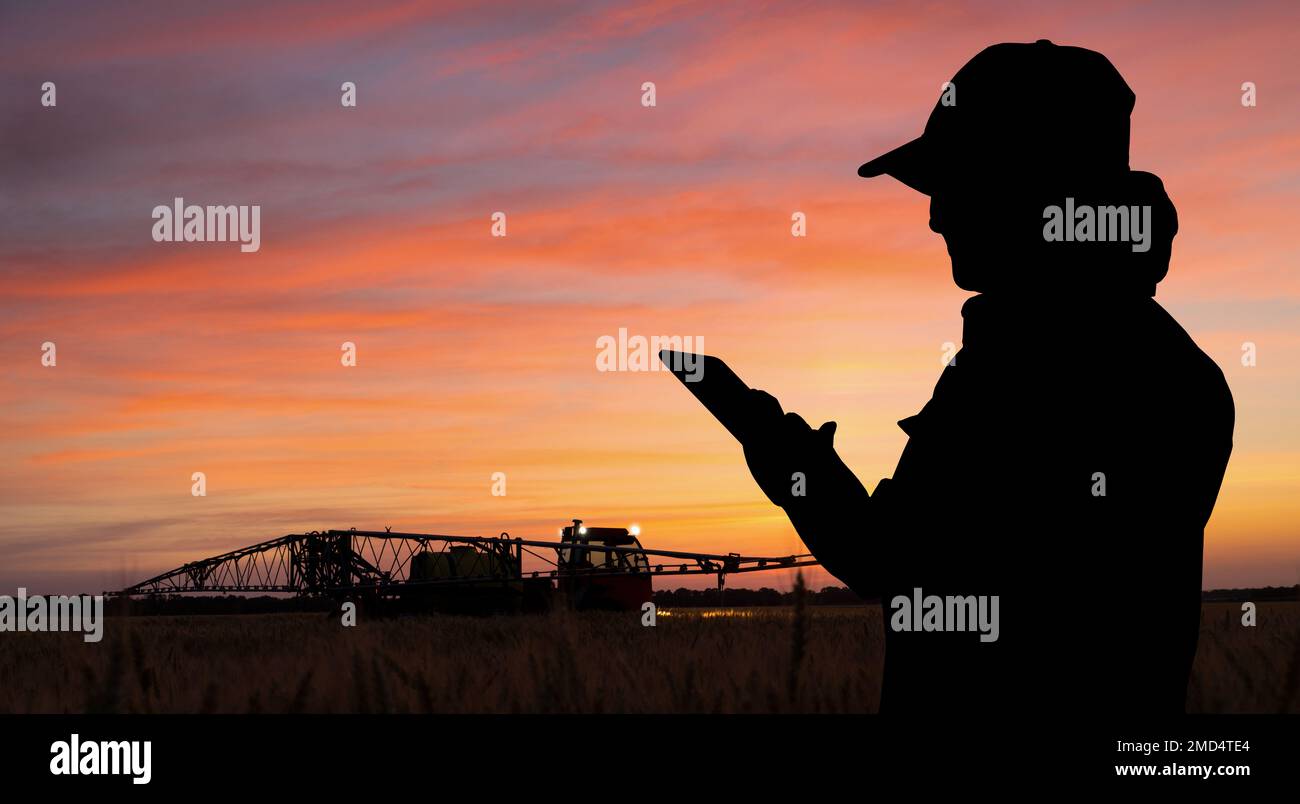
{"x": 477, "y": 354}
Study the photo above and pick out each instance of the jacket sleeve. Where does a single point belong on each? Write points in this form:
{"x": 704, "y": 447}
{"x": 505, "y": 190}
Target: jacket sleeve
{"x": 836, "y": 522}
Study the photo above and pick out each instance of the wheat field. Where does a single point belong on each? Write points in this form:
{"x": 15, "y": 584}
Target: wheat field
{"x": 818, "y": 659}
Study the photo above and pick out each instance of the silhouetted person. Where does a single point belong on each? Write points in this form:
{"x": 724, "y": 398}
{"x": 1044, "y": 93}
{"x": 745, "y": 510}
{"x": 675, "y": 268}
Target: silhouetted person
{"x": 1071, "y": 454}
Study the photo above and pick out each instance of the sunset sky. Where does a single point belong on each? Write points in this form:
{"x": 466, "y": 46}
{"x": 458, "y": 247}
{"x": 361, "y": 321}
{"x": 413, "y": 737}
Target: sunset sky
{"x": 477, "y": 354}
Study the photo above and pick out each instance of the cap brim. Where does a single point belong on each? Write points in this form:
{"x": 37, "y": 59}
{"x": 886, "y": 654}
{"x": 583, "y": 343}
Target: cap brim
{"x": 910, "y": 163}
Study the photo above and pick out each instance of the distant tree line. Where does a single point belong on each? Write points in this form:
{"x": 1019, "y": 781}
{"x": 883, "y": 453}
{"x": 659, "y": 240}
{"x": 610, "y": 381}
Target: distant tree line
{"x": 766, "y": 596}
{"x": 840, "y": 596}
{"x": 669, "y": 598}
{"x": 1267, "y": 593}
{"x": 213, "y": 604}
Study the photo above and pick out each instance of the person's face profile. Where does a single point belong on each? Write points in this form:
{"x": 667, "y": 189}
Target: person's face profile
{"x": 965, "y": 226}
{"x": 992, "y": 227}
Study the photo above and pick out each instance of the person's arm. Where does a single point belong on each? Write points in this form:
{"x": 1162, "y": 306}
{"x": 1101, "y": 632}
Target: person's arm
{"x": 798, "y": 469}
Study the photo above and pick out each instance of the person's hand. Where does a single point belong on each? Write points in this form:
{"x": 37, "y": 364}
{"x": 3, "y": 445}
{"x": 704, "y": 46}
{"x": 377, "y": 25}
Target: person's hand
{"x": 787, "y": 457}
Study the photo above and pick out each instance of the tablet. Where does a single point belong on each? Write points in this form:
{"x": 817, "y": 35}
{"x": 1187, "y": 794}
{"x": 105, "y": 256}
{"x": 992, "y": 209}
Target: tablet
{"x": 718, "y": 388}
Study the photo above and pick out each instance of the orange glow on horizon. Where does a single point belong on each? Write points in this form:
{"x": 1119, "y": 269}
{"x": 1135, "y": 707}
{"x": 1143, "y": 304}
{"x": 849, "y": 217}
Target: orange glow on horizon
{"x": 477, "y": 354}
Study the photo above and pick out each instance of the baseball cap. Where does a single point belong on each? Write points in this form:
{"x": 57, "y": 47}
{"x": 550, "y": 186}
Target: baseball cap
{"x": 1037, "y": 111}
